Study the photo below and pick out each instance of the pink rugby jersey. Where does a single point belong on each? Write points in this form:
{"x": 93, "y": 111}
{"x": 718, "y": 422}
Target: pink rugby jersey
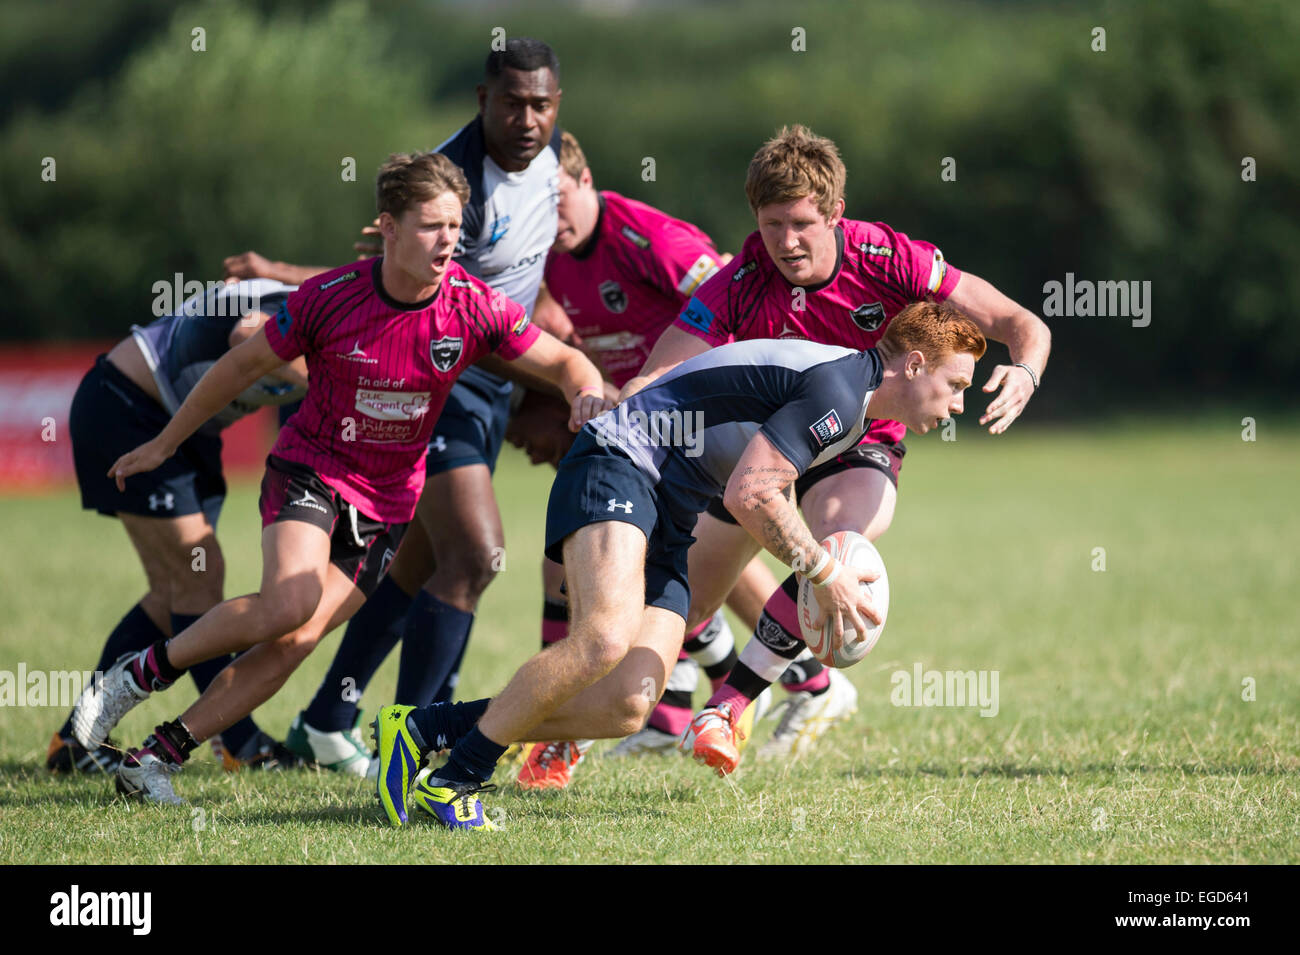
{"x": 638, "y": 271}
{"x": 380, "y": 371}
{"x": 877, "y": 272}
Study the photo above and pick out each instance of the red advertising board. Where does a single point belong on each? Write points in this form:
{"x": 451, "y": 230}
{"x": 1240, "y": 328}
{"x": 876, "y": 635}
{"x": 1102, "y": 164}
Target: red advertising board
{"x": 37, "y": 383}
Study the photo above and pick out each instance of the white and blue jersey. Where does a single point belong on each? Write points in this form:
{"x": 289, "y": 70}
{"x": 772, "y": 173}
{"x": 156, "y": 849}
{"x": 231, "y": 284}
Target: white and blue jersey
{"x": 658, "y": 458}
{"x": 507, "y": 228}
{"x": 181, "y": 347}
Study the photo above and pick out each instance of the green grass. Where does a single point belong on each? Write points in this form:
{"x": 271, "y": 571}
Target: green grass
{"x": 1121, "y": 736}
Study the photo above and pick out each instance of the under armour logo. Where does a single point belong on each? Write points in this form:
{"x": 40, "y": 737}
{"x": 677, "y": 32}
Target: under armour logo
{"x": 626, "y": 506}
{"x": 166, "y": 502}
{"x": 439, "y": 443}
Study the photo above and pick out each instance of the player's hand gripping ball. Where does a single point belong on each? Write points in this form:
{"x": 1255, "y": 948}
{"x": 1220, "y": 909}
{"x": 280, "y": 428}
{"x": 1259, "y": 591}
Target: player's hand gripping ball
{"x": 855, "y": 552}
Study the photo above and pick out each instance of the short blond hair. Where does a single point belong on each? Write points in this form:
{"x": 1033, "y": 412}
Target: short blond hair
{"x": 407, "y": 179}
{"x": 793, "y": 164}
{"x": 572, "y": 158}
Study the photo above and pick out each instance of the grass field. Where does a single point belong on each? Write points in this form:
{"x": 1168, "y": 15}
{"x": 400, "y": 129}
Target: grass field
{"x": 1121, "y": 733}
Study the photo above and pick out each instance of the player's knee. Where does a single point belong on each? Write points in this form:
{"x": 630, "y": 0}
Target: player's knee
{"x": 603, "y": 650}
{"x": 288, "y": 608}
{"x": 632, "y": 711}
{"x": 474, "y": 568}
{"x": 299, "y": 644}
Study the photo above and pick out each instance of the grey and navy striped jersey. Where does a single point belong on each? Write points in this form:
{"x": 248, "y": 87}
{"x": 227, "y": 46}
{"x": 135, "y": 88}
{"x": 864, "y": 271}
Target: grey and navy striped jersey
{"x": 687, "y": 430}
{"x": 179, "y": 348}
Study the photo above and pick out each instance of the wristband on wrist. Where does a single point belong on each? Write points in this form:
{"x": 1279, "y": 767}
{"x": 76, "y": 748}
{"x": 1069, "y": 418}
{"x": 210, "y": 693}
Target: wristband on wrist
{"x": 835, "y": 572}
{"x": 818, "y": 567}
{"x": 1032, "y": 376}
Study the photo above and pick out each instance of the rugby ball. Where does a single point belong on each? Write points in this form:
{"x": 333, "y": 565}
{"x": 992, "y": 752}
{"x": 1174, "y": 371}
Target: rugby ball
{"x": 853, "y": 551}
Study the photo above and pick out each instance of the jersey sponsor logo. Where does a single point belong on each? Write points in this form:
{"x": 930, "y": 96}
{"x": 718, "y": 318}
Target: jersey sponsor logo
{"x": 499, "y": 229}
{"x": 445, "y": 352}
{"x": 938, "y": 269}
{"x": 569, "y": 307}
{"x": 520, "y": 325}
{"x": 636, "y": 238}
{"x": 612, "y": 294}
{"x": 868, "y": 317}
{"x": 625, "y": 507}
{"x": 163, "y": 502}
{"x": 465, "y": 284}
{"x": 357, "y": 354}
{"x": 790, "y": 331}
{"x": 827, "y": 428}
{"x": 346, "y": 277}
{"x": 883, "y": 251}
{"x": 617, "y": 341}
{"x": 703, "y": 268}
{"x": 392, "y": 405}
{"x": 697, "y": 315}
{"x": 744, "y": 270}
{"x": 308, "y": 501}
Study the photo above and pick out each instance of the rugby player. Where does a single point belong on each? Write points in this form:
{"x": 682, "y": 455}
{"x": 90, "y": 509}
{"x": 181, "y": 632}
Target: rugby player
{"x": 621, "y": 515}
{"x": 809, "y": 273}
{"x": 171, "y": 514}
{"x": 622, "y": 271}
{"x": 510, "y": 154}
{"x": 384, "y": 340}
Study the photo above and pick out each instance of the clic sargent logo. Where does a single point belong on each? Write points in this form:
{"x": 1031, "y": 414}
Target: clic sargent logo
{"x": 76, "y": 908}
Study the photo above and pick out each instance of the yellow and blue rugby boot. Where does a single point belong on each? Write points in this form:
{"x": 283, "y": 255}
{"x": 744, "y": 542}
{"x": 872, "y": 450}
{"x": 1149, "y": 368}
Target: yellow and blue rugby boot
{"x": 399, "y": 759}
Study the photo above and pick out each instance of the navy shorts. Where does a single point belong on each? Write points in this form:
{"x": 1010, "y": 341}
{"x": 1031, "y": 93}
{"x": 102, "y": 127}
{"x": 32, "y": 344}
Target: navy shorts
{"x": 595, "y": 483}
{"x": 885, "y": 458}
{"x": 472, "y": 424}
{"x": 360, "y": 546}
{"x": 112, "y": 415}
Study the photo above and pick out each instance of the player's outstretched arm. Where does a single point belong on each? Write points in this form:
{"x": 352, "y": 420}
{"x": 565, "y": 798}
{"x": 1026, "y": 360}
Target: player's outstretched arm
{"x": 569, "y": 370}
{"x": 250, "y": 265}
{"x": 1026, "y": 336}
{"x": 756, "y": 496}
{"x": 674, "y": 347}
{"x": 223, "y": 382}
{"x": 295, "y": 372}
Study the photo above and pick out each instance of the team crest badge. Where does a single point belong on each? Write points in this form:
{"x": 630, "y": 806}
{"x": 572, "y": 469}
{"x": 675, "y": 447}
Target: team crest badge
{"x": 445, "y": 352}
{"x": 868, "y": 317}
{"x": 613, "y": 295}
{"x": 827, "y": 428}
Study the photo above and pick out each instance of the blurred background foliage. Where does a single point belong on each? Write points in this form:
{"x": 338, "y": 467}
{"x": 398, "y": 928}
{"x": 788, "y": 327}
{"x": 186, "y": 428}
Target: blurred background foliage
{"x": 1116, "y": 165}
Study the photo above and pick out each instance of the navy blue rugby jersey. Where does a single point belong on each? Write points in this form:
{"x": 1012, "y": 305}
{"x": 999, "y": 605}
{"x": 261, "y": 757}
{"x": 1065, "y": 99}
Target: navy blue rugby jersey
{"x": 687, "y": 430}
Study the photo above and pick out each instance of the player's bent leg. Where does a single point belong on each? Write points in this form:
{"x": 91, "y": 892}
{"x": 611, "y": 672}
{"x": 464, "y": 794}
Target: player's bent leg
{"x": 295, "y": 561}
{"x": 619, "y": 702}
{"x": 716, "y": 561}
{"x": 466, "y": 536}
{"x": 755, "y": 587}
{"x": 295, "y": 556}
{"x": 605, "y": 567}
{"x": 241, "y": 687}
{"x": 254, "y": 677}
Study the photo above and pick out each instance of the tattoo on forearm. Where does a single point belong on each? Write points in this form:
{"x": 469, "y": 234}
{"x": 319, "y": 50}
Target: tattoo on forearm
{"x": 783, "y": 533}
